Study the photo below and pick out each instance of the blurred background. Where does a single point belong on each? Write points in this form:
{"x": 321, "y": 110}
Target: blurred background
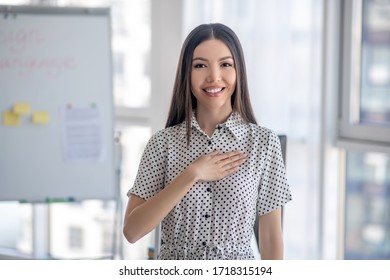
{"x": 318, "y": 71}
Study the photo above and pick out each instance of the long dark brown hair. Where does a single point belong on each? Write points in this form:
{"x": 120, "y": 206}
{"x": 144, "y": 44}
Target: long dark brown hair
{"x": 183, "y": 101}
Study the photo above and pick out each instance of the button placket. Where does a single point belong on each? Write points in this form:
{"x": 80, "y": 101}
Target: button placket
{"x": 206, "y": 211}
{"x": 206, "y": 214}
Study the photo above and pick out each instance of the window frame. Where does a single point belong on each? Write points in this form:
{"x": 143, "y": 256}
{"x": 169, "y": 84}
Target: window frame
{"x": 350, "y": 131}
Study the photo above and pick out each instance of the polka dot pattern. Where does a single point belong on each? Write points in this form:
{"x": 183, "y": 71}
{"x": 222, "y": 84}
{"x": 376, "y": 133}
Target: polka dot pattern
{"x": 215, "y": 219}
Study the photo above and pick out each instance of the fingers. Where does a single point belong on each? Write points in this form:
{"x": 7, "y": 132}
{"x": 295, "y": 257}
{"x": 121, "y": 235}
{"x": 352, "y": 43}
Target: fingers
{"x": 217, "y": 165}
{"x": 232, "y": 167}
{"x": 231, "y": 158}
{"x": 230, "y": 162}
{"x": 214, "y": 153}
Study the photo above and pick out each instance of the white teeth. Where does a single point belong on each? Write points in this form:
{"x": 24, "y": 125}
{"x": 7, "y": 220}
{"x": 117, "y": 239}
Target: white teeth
{"x": 215, "y": 90}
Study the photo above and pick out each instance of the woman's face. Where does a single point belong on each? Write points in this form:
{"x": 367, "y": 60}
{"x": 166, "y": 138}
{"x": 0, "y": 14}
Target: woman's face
{"x": 213, "y": 76}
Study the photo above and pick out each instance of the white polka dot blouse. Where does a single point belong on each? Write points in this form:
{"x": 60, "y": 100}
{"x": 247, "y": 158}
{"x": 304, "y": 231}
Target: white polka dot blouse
{"x": 214, "y": 220}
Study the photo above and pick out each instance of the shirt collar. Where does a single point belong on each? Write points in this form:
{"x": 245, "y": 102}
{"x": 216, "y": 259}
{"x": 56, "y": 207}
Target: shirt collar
{"x": 234, "y": 124}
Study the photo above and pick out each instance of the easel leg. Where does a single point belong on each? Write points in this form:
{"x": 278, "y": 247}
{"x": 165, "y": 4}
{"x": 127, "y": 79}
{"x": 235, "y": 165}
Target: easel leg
{"x": 40, "y": 231}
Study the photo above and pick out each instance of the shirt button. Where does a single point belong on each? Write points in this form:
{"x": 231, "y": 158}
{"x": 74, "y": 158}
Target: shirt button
{"x": 206, "y": 216}
{"x": 204, "y": 243}
{"x": 209, "y": 189}
{"x": 210, "y": 142}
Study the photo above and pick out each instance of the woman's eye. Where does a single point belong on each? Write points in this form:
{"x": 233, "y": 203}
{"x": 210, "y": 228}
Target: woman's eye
{"x": 226, "y": 64}
{"x": 199, "y": 65}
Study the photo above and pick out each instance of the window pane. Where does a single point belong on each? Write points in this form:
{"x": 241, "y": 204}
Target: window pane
{"x": 16, "y": 229}
{"x": 82, "y": 230}
{"x": 367, "y": 209}
{"x": 131, "y": 41}
{"x": 375, "y": 75}
{"x": 76, "y": 236}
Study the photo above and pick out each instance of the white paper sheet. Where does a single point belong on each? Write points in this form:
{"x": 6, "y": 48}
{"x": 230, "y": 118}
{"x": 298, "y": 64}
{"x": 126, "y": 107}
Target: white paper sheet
{"x": 82, "y": 134}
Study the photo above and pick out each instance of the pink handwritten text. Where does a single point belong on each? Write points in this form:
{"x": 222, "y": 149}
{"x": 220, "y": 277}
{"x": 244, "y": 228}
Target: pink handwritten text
{"x": 16, "y": 41}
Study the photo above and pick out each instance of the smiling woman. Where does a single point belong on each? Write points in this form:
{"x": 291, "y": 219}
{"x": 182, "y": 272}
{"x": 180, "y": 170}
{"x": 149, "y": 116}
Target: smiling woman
{"x": 207, "y": 191}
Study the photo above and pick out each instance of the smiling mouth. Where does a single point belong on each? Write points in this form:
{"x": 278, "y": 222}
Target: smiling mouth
{"x": 214, "y": 91}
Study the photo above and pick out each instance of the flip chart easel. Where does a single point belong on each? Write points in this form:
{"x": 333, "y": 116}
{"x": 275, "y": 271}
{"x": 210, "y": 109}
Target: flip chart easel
{"x": 56, "y": 108}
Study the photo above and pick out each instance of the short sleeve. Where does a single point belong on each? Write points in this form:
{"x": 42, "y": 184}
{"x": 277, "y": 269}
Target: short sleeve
{"x": 274, "y": 190}
{"x": 151, "y": 171}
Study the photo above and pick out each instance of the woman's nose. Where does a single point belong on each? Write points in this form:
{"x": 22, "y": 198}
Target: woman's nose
{"x": 214, "y": 74}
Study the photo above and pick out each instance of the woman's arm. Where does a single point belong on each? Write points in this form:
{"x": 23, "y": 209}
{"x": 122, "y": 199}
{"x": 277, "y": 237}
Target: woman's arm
{"x": 142, "y": 216}
{"x": 270, "y": 235}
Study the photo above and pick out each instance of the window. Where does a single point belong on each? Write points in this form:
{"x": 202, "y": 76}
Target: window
{"x": 365, "y": 112}
{"x": 75, "y": 238}
{"x": 131, "y": 43}
{"x": 367, "y": 207}
{"x": 364, "y": 128}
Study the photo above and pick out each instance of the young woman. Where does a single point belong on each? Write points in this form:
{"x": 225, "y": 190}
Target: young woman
{"x": 212, "y": 170}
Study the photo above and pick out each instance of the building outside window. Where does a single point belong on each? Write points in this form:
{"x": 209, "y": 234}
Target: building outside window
{"x": 76, "y": 238}
{"x": 367, "y": 206}
{"x": 366, "y": 119}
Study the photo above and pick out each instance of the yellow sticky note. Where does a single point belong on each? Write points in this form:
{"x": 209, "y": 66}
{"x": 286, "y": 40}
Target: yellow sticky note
{"x": 40, "y": 117}
{"x": 22, "y": 108}
{"x": 10, "y": 119}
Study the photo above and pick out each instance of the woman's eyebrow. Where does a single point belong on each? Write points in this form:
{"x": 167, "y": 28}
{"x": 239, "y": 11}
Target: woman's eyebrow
{"x": 226, "y": 57}
{"x": 205, "y": 59}
{"x": 199, "y": 58}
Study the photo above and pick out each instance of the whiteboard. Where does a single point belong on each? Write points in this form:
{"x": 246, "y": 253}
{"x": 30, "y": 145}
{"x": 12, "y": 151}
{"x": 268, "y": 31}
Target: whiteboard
{"x": 56, "y": 105}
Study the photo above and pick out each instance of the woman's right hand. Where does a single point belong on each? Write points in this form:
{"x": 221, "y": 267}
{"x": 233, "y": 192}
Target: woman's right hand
{"x": 216, "y": 165}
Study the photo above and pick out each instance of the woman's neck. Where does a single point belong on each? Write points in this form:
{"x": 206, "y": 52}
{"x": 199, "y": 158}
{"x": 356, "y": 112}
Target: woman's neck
{"x": 209, "y": 119}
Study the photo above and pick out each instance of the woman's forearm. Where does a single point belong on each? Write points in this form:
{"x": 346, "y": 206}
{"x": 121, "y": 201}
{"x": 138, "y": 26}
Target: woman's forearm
{"x": 270, "y": 236}
{"x": 272, "y": 249}
{"x": 146, "y": 216}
